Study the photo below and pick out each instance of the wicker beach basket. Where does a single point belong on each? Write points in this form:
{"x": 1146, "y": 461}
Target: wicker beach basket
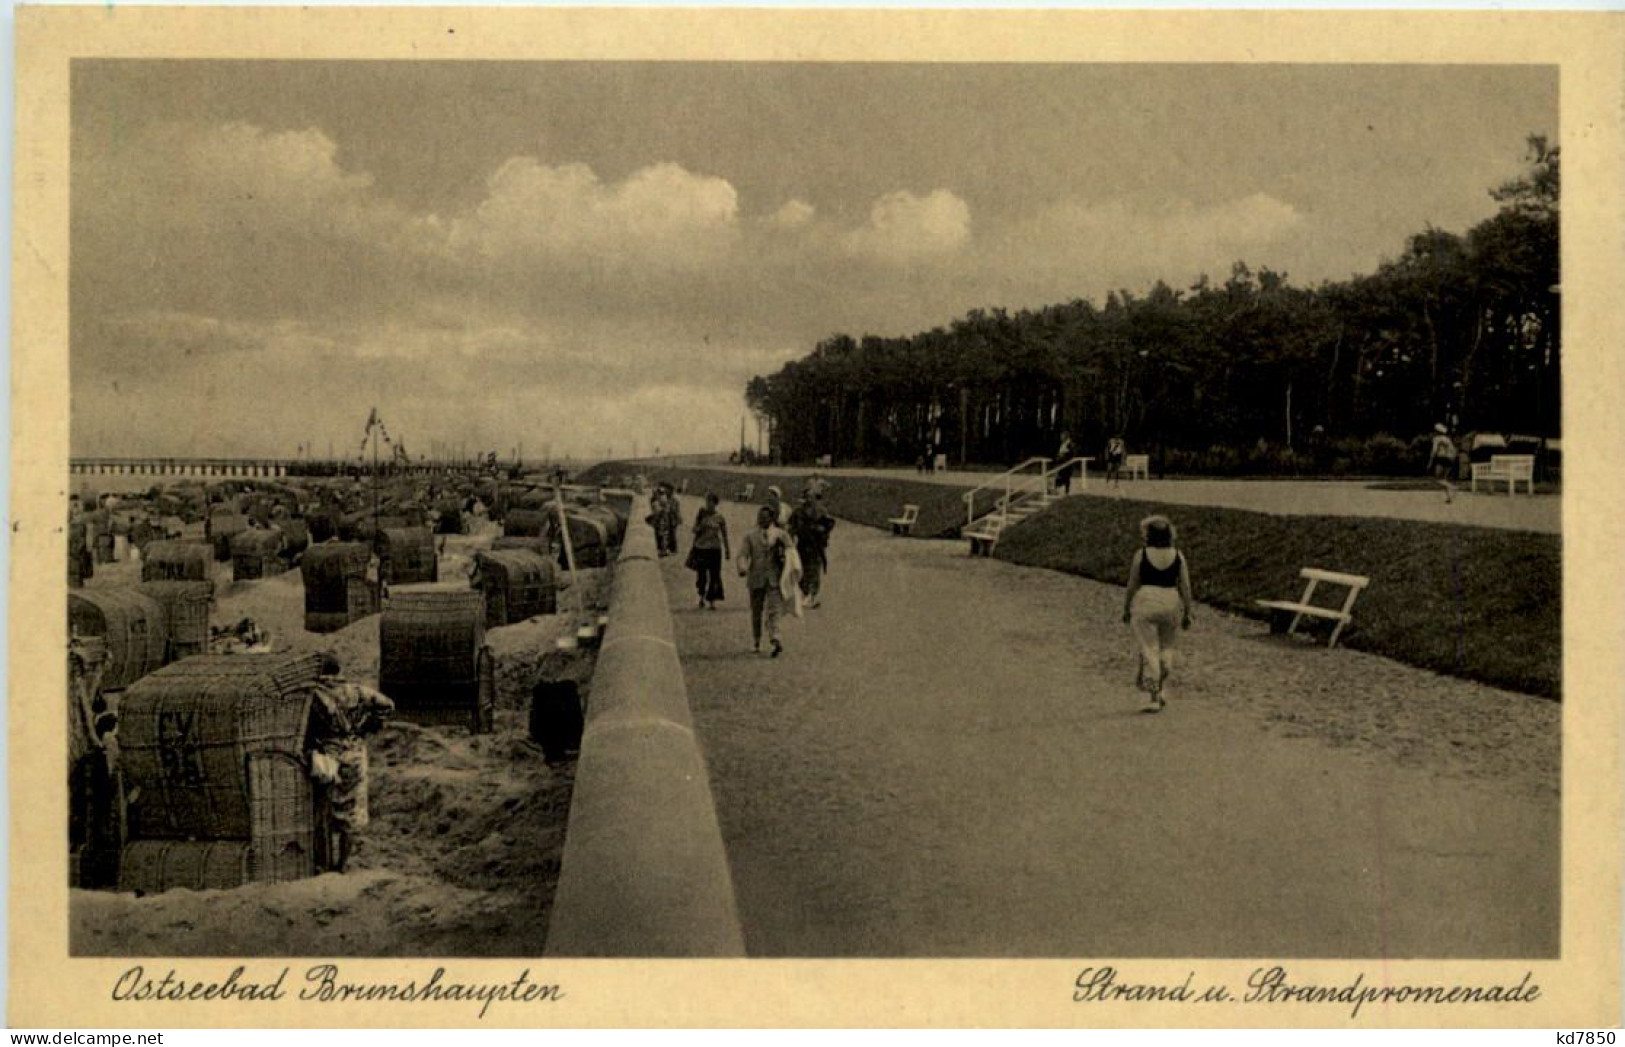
{"x": 81, "y": 565}
{"x": 357, "y": 527}
{"x": 130, "y": 623}
{"x": 224, "y": 525}
{"x": 518, "y": 583}
{"x": 540, "y": 546}
{"x": 295, "y": 537}
{"x": 256, "y": 554}
{"x": 186, "y": 610}
{"x": 450, "y": 519}
{"x": 407, "y": 556}
{"x": 152, "y": 866}
{"x": 526, "y": 523}
{"x": 215, "y": 746}
{"x": 323, "y": 525}
{"x": 589, "y": 535}
{"x": 429, "y": 644}
{"x": 337, "y": 590}
{"x": 178, "y": 562}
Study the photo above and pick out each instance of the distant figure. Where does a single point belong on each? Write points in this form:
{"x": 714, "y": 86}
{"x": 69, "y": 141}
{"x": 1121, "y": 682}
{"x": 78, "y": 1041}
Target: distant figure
{"x": 344, "y": 714}
{"x": 1063, "y": 477}
{"x": 761, "y": 564}
{"x": 780, "y": 507}
{"x": 810, "y": 526}
{"x": 710, "y": 548}
{"x": 1442, "y": 460}
{"x": 671, "y": 519}
{"x": 1156, "y": 606}
{"x": 1116, "y": 451}
{"x": 657, "y": 518}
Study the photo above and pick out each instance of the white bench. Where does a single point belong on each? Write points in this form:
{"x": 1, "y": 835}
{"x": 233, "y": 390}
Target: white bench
{"x": 1342, "y": 616}
{"x": 745, "y": 493}
{"x": 825, "y": 461}
{"x": 1510, "y": 469}
{"x": 1137, "y": 465}
{"x": 985, "y": 536}
{"x": 905, "y": 524}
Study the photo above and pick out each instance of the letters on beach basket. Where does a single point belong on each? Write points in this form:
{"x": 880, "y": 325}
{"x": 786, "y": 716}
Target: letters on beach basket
{"x": 177, "y": 562}
{"x": 214, "y": 747}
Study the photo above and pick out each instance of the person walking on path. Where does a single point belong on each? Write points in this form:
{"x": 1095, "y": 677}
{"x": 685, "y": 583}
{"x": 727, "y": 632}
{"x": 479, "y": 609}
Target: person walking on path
{"x": 1116, "y": 452}
{"x": 810, "y": 526}
{"x": 761, "y": 564}
{"x": 1442, "y": 460}
{"x": 672, "y": 519}
{"x": 1157, "y": 605}
{"x": 657, "y": 517}
{"x": 710, "y": 548}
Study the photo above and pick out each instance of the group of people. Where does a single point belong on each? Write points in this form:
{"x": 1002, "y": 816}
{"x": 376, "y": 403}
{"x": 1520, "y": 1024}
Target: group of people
{"x": 782, "y": 558}
{"x": 1113, "y": 457}
{"x": 665, "y": 516}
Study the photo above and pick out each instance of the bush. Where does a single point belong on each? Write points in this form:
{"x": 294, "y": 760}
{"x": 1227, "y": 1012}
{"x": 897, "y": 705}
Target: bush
{"x": 1383, "y": 455}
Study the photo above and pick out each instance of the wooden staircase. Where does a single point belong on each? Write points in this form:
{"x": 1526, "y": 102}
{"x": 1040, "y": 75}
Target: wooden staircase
{"x": 1027, "y": 490}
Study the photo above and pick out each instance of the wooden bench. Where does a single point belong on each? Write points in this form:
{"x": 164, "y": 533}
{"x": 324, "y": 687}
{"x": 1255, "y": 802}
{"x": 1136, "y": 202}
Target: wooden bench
{"x": 1342, "y": 616}
{"x": 985, "y": 535}
{"x": 745, "y": 493}
{"x": 1510, "y": 469}
{"x": 905, "y": 524}
{"x": 1137, "y": 465}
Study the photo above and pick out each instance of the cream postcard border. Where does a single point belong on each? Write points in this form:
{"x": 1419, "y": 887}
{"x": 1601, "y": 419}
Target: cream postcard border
{"x": 48, "y": 988}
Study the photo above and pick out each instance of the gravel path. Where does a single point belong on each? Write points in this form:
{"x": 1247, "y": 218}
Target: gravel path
{"x": 950, "y": 760}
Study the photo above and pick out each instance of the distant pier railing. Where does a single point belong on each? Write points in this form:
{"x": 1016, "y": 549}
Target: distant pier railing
{"x": 260, "y": 467}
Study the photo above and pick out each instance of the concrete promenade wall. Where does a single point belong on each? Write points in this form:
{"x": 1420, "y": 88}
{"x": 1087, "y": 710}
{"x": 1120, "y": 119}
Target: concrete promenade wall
{"x": 644, "y": 872}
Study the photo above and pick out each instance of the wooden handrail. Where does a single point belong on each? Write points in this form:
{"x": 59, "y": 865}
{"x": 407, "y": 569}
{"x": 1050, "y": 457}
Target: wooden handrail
{"x": 1007, "y": 479}
{"x": 1079, "y": 460}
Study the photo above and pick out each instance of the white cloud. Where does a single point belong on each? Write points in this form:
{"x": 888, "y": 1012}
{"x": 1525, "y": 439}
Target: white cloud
{"x": 541, "y": 213}
{"x": 795, "y": 214}
{"x": 903, "y": 227}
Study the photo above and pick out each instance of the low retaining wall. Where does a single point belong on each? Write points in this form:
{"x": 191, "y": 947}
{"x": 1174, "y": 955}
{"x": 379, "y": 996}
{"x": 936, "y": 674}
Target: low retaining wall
{"x": 644, "y": 872}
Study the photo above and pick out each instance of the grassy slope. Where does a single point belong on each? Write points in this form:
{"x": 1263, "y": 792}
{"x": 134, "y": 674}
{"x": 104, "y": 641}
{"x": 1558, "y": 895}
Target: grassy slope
{"x": 1468, "y": 601}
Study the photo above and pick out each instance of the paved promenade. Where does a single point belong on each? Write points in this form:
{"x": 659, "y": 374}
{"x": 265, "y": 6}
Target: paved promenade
{"x": 950, "y": 760}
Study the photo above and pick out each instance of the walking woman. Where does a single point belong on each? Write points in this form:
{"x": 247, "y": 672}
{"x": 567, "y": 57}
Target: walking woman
{"x": 1157, "y": 605}
{"x": 709, "y": 550}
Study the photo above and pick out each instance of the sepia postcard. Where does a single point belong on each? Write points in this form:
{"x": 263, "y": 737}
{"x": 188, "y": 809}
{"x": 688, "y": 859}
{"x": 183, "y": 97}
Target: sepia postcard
{"x": 689, "y": 517}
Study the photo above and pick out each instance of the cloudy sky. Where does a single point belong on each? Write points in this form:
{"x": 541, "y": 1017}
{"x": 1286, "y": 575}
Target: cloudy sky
{"x": 577, "y": 256}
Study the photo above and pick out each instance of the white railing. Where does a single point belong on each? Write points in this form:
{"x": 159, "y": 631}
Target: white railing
{"x": 1081, "y": 480}
{"x": 1019, "y": 481}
